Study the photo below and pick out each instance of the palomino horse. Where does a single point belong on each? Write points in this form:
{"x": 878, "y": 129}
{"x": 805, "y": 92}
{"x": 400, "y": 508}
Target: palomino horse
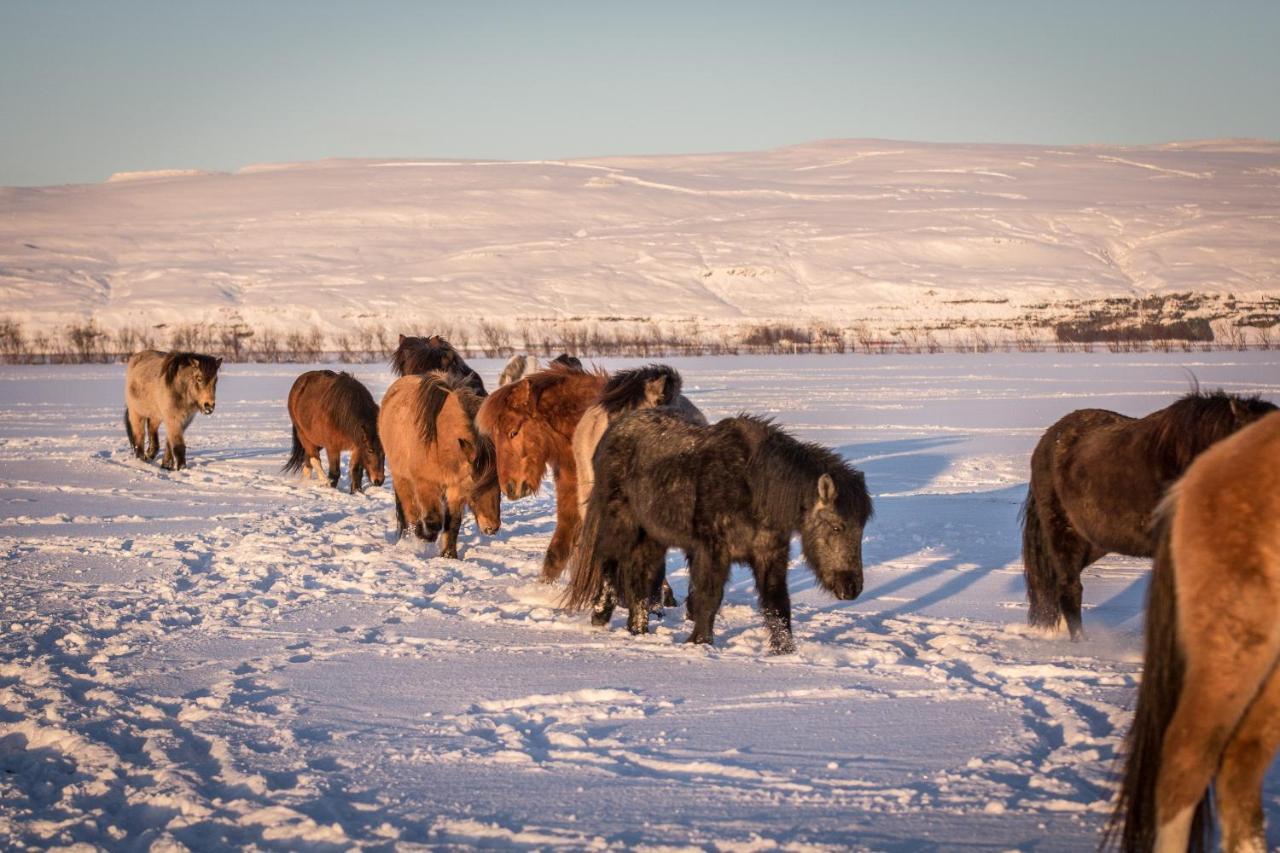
{"x": 422, "y": 355}
{"x": 168, "y": 388}
{"x": 439, "y": 463}
{"x": 734, "y": 491}
{"x": 517, "y": 368}
{"x": 336, "y": 412}
{"x": 1096, "y": 477}
{"x": 1209, "y": 702}
{"x": 531, "y": 423}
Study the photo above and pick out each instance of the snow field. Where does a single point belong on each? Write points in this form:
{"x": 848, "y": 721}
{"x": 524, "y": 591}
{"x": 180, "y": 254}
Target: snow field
{"x": 228, "y": 657}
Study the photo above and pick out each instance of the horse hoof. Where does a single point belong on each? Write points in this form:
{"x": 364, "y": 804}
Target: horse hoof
{"x": 782, "y": 647}
{"x": 698, "y": 640}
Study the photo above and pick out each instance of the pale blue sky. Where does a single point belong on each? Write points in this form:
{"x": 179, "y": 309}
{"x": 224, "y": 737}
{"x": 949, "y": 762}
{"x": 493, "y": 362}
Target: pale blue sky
{"x": 91, "y": 88}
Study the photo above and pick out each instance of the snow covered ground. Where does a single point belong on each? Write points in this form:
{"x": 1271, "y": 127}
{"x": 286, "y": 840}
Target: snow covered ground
{"x": 230, "y": 657}
{"x": 897, "y": 235}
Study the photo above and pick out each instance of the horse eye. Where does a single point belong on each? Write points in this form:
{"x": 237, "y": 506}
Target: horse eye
{"x": 513, "y": 433}
{"x": 837, "y": 527}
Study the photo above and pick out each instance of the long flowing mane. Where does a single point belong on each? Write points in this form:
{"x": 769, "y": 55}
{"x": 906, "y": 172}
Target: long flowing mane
{"x": 628, "y": 389}
{"x": 174, "y": 361}
{"x": 433, "y": 391}
{"x": 352, "y": 407}
{"x": 785, "y": 471}
{"x": 1183, "y": 430}
{"x": 423, "y": 355}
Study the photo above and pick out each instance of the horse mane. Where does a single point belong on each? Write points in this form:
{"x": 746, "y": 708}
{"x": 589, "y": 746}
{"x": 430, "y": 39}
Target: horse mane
{"x": 423, "y": 355}
{"x": 628, "y": 389}
{"x": 568, "y": 361}
{"x": 784, "y": 472}
{"x": 1183, "y": 430}
{"x": 352, "y": 408}
{"x": 174, "y": 361}
{"x": 433, "y": 391}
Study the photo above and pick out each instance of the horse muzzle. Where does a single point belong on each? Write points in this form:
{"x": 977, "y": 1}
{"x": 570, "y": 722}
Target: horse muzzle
{"x": 847, "y": 589}
{"x": 488, "y": 529}
{"x": 208, "y": 408}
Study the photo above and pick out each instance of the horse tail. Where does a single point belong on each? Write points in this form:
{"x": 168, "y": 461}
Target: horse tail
{"x": 128, "y": 428}
{"x": 586, "y": 565}
{"x": 1133, "y": 823}
{"x": 1045, "y": 607}
{"x": 297, "y": 457}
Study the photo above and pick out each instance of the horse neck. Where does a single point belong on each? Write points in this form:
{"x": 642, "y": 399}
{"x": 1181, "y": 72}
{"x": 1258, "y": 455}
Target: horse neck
{"x": 779, "y": 491}
{"x": 1177, "y": 448}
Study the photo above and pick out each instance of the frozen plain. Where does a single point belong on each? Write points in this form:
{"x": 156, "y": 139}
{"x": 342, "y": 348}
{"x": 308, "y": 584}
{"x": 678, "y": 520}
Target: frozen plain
{"x": 230, "y": 657}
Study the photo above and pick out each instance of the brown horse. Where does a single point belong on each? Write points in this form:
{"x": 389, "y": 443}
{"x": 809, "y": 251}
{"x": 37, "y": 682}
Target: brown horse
{"x": 422, "y": 355}
{"x": 336, "y": 412}
{"x": 438, "y": 460}
{"x": 168, "y": 388}
{"x": 532, "y": 423}
{"x": 1209, "y": 702}
{"x": 1096, "y": 478}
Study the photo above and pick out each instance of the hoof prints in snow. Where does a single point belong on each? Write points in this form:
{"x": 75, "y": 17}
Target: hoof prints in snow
{"x": 226, "y": 657}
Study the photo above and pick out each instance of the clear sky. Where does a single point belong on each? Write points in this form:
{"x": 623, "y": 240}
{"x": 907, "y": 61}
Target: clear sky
{"x": 91, "y": 88}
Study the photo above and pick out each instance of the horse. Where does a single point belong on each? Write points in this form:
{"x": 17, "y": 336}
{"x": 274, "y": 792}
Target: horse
{"x": 570, "y": 361}
{"x": 1096, "y": 478}
{"x": 438, "y": 461}
{"x": 628, "y": 390}
{"x": 1209, "y": 701}
{"x": 517, "y": 368}
{"x": 422, "y": 355}
{"x": 531, "y": 423}
{"x": 336, "y": 412}
{"x": 734, "y": 491}
{"x": 168, "y": 387}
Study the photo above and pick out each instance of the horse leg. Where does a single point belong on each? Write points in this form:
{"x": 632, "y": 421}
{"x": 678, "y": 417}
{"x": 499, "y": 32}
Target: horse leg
{"x": 1244, "y": 764}
{"x": 153, "y": 438}
{"x": 452, "y": 522}
{"x": 357, "y": 474}
{"x": 1071, "y": 590}
{"x": 567, "y": 523}
{"x": 642, "y": 577}
{"x": 431, "y": 520}
{"x": 708, "y": 572}
{"x": 136, "y": 427}
{"x": 1216, "y": 692}
{"x": 775, "y": 601}
{"x": 335, "y": 465}
{"x": 175, "y": 450}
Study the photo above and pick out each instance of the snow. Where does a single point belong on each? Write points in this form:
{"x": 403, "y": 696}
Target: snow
{"x": 228, "y": 656}
{"x": 894, "y": 235}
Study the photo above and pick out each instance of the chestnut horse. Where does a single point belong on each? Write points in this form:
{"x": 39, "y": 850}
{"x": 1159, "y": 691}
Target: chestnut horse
{"x": 1096, "y": 477}
{"x": 531, "y": 423}
{"x": 168, "y": 388}
{"x": 1209, "y": 701}
{"x": 438, "y": 461}
{"x": 336, "y": 412}
{"x": 422, "y": 355}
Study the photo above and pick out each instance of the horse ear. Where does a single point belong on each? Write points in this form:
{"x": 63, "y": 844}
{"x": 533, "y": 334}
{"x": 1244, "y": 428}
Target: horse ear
{"x": 468, "y": 449}
{"x": 217, "y": 363}
{"x": 655, "y": 390}
{"x": 193, "y": 362}
{"x": 826, "y": 490}
{"x": 1237, "y": 411}
{"x": 402, "y": 339}
{"x": 522, "y": 397}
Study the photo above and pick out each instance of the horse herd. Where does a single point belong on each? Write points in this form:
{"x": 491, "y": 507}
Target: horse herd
{"x": 638, "y": 470}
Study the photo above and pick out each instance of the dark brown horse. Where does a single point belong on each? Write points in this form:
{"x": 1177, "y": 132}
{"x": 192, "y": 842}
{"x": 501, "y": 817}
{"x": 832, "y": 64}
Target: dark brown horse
{"x": 1096, "y": 478}
{"x": 438, "y": 461}
{"x": 336, "y": 412}
{"x": 1209, "y": 702}
{"x": 531, "y": 423}
{"x": 422, "y": 355}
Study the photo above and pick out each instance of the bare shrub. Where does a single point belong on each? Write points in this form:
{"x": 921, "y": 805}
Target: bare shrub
{"x": 13, "y": 342}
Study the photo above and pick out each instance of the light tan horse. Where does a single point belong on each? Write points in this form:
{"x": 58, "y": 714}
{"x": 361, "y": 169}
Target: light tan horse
{"x": 1209, "y": 703}
{"x": 168, "y": 388}
{"x": 438, "y": 462}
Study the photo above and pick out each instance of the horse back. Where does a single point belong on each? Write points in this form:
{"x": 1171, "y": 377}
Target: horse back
{"x": 146, "y": 392}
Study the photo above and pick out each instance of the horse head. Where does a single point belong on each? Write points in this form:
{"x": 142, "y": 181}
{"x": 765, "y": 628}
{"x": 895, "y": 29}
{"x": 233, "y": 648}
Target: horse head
{"x": 509, "y": 418}
{"x": 831, "y": 532}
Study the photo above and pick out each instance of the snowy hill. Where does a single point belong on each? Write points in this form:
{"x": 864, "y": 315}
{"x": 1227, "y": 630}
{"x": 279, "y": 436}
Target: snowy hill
{"x": 888, "y": 234}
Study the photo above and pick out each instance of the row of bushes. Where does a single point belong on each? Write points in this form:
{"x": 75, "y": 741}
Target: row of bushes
{"x": 86, "y": 342}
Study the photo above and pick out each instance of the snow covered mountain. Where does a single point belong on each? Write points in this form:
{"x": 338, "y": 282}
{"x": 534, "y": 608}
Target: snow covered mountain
{"x": 893, "y": 235}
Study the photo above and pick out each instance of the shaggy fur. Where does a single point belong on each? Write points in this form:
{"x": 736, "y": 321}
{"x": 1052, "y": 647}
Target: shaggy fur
{"x": 167, "y": 388}
{"x": 336, "y": 412}
{"x": 1096, "y": 478}
{"x": 439, "y": 462}
{"x": 531, "y": 423}
{"x": 423, "y": 355}
{"x": 733, "y": 491}
{"x": 517, "y": 368}
{"x": 1209, "y": 703}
